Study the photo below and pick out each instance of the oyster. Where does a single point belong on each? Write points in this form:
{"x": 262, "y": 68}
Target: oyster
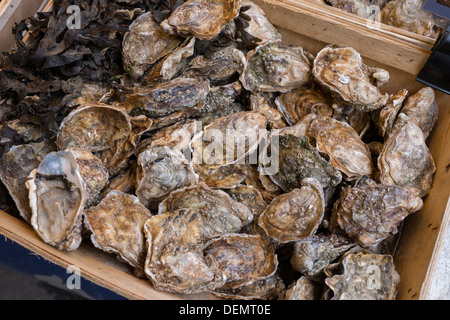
{"x": 117, "y": 226}
{"x": 385, "y": 117}
{"x": 166, "y": 98}
{"x": 362, "y": 8}
{"x": 240, "y": 259}
{"x": 358, "y": 119}
{"x": 124, "y": 182}
{"x": 342, "y": 144}
{"x": 160, "y": 171}
{"x": 422, "y": 109}
{"x": 276, "y": 67}
{"x": 297, "y": 104}
{"x": 264, "y": 103}
{"x": 341, "y": 71}
{"x": 16, "y": 166}
{"x": 371, "y": 212}
{"x": 57, "y": 197}
{"x": 313, "y": 254}
{"x": 137, "y": 55}
{"x": 177, "y": 60}
{"x": 234, "y": 137}
{"x": 299, "y": 160}
{"x": 302, "y": 289}
{"x": 203, "y": 19}
{"x": 250, "y": 197}
{"x": 226, "y": 177}
{"x": 295, "y": 215}
{"x": 365, "y": 277}
{"x": 405, "y": 159}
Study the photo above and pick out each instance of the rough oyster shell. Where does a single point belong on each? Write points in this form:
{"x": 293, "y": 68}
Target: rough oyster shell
{"x": 341, "y": 71}
{"x": 57, "y": 199}
{"x": 342, "y": 144}
{"x": 276, "y": 67}
{"x": 203, "y": 19}
{"x": 137, "y": 55}
{"x": 302, "y": 289}
{"x": 226, "y": 177}
{"x": 365, "y": 277}
{"x": 385, "y": 117}
{"x": 358, "y": 119}
{"x": 422, "y": 109}
{"x": 295, "y": 215}
{"x": 117, "y": 226}
{"x": 371, "y": 212}
{"x": 240, "y": 259}
{"x": 160, "y": 171}
{"x": 297, "y": 104}
{"x": 264, "y": 103}
{"x": 405, "y": 159}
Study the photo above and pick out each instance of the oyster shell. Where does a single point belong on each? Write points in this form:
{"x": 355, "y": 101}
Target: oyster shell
{"x": 342, "y": 144}
{"x": 405, "y": 159}
{"x": 276, "y": 67}
{"x": 160, "y": 171}
{"x": 166, "y": 98}
{"x": 137, "y": 55}
{"x": 422, "y": 109}
{"x": 359, "y": 120}
{"x": 226, "y": 177}
{"x": 311, "y": 255}
{"x": 57, "y": 197}
{"x": 362, "y": 8}
{"x": 297, "y": 104}
{"x": 264, "y": 103}
{"x": 385, "y": 117}
{"x": 117, "y": 226}
{"x": 371, "y": 212}
{"x": 16, "y": 166}
{"x": 295, "y": 215}
{"x": 203, "y": 19}
{"x": 240, "y": 259}
{"x": 177, "y": 60}
{"x": 341, "y": 71}
{"x": 365, "y": 277}
{"x": 299, "y": 160}
{"x": 302, "y": 289}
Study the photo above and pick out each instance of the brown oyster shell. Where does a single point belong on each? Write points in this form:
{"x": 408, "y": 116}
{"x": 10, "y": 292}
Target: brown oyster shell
{"x": 225, "y": 177}
{"x": 342, "y": 144}
{"x": 137, "y": 55}
{"x": 203, "y": 19}
{"x": 117, "y": 226}
{"x": 297, "y": 104}
{"x": 264, "y": 103}
{"x": 365, "y": 277}
{"x": 369, "y": 213}
{"x": 311, "y": 255}
{"x": 166, "y": 98}
{"x": 405, "y": 159}
{"x": 358, "y": 119}
{"x": 302, "y": 289}
{"x": 295, "y": 215}
{"x": 162, "y": 170}
{"x": 240, "y": 259}
{"x": 341, "y": 71}
{"x": 422, "y": 109}
{"x": 57, "y": 197}
{"x": 385, "y": 117}
{"x": 276, "y": 67}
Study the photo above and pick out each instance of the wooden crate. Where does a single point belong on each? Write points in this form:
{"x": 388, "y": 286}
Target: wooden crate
{"x": 312, "y": 26}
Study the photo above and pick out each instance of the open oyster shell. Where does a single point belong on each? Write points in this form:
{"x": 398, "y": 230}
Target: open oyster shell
{"x": 405, "y": 159}
{"x": 276, "y": 67}
{"x": 342, "y": 144}
{"x": 117, "y": 226}
{"x": 160, "y": 171}
{"x": 137, "y": 55}
{"x": 295, "y": 215}
{"x": 203, "y": 19}
{"x": 341, "y": 71}
{"x": 370, "y": 212}
{"x": 365, "y": 277}
{"x": 57, "y": 197}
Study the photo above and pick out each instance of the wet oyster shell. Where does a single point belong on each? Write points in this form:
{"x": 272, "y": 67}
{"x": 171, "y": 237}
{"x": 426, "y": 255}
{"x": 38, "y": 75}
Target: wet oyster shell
{"x": 365, "y": 277}
{"x": 137, "y": 55}
{"x": 240, "y": 259}
{"x": 57, "y": 199}
{"x": 276, "y": 67}
{"x": 162, "y": 170}
{"x": 405, "y": 159}
{"x": 385, "y": 117}
{"x": 370, "y": 213}
{"x": 342, "y": 144}
{"x": 302, "y": 289}
{"x": 295, "y": 215}
{"x": 422, "y": 109}
{"x": 341, "y": 71}
{"x": 117, "y": 226}
{"x": 203, "y": 19}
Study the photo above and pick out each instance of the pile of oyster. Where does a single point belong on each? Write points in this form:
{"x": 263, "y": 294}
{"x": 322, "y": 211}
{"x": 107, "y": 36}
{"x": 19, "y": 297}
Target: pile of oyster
{"x": 233, "y": 163}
